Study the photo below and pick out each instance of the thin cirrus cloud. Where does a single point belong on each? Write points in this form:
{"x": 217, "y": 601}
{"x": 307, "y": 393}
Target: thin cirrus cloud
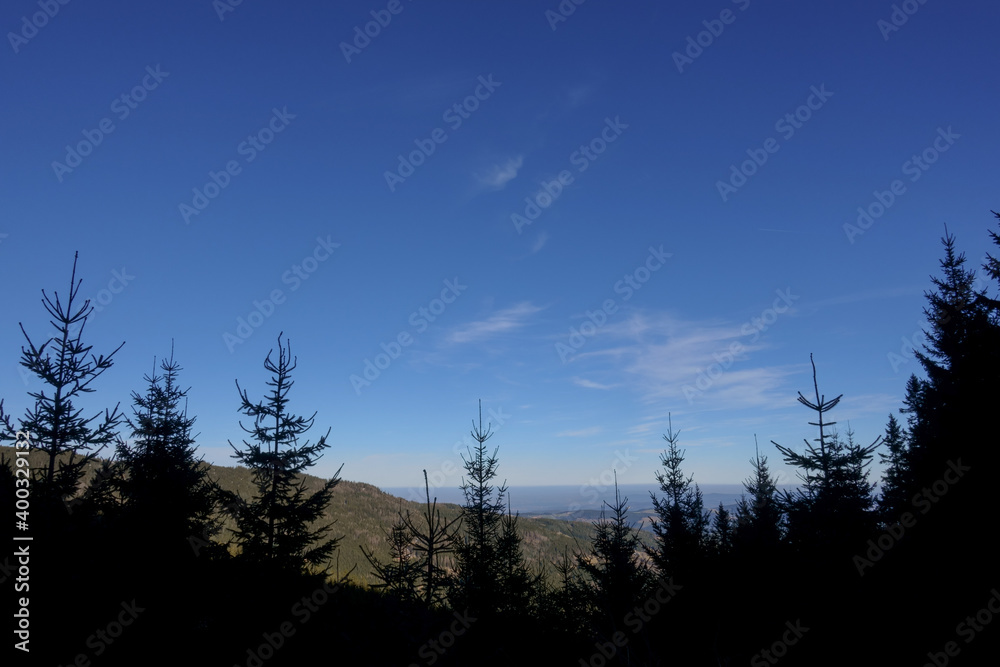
{"x": 581, "y": 94}
{"x": 868, "y": 295}
{"x": 501, "y": 174}
{"x": 580, "y": 433}
{"x": 660, "y": 355}
{"x": 590, "y": 384}
{"x": 539, "y": 243}
{"x": 504, "y": 321}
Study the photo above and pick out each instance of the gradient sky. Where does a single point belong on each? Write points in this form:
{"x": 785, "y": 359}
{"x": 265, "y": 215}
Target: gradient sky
{"x": 623, "y": 133}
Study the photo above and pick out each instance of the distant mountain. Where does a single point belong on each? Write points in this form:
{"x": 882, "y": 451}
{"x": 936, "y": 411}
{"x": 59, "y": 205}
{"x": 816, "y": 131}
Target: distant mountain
{"x": 362, "y": 512}
{"x": 538, "y": 500}
{"x": 640, "y": 518}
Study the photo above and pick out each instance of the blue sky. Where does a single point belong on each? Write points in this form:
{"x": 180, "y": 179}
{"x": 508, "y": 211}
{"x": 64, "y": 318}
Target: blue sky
{"x": 475, "y": 183}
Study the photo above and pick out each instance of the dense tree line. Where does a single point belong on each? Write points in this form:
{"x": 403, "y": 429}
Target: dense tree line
{"x": 841, "y": 569}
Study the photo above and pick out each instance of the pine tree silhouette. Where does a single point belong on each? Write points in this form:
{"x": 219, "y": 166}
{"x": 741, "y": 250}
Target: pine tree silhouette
{"x": 70, "y": 440}
{"x": 961, "y": 361}
{"x": 275, "y": 527}
{"x": 619, "y": 578}
{"x": 477, "y": 586}
{"x": 833, "y": 510}
{"x": 165, "y": 491}
{"x": 432, "y": 540}
{"x": 397, "y": 577}
{"x": 63, "y": 524}
{"x": 896, "y": 483}
{"x": 759, "y": 518}
{"x": 519, "y": 587}
{"x": 681, "y": 523}
{"x": 947, "y": 465}
{"x": 722, "y": 531}
{"x": 567, "y": 606}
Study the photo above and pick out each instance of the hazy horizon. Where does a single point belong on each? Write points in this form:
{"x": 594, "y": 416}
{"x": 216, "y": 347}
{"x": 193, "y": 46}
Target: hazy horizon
{"x": 568, "y": 498}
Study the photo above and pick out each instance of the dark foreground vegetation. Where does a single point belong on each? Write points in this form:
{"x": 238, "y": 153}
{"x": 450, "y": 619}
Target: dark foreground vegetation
{"x": 146, "y": 557}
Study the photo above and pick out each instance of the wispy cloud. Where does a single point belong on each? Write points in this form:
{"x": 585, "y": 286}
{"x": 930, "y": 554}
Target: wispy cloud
{"x": 590, "y": 384}
{"x": 853, "y": 407}
{"x": 539, "y": 242}
{"x": 580, "y": 94}
{"x": 659, "y": 355}
{"x": 580, "y": 433}
{"x": 645, "y": 427}
{"x": 868, "y": 295}
{"x": 504, "y": 321}
{"x": 500, "y": 174}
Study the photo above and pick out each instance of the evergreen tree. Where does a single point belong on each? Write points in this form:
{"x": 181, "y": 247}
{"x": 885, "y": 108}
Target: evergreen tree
{"x": 399, "y": 576}
{"x": 433, "y": 539}
{"x": 948, "y": 462}
{"x": 992, "y": 268}
{"x": 568, "y": 607}
{"x": 416, "y": 570}
{"x": 759, "y": 518}
{"x": 165, "y": 491}
{"x": 275, "y": 527}
{"x": 619, "y": 579}
{"x": 857, "y": 484}
{"x": 917, "y": 434}
{"x": 70, "y": 440}
{"x": 68, "y": 538}
{"x": 895, "y": 478}
{"x": 722, "y": 531}
{"x": 519, "y": 587}
{"x": 961, "y": 361}
{"x": 833, "y": 510}
{"x": 913, "y": 401}
{"x": 681, "y": 523}
{"x": 939, "y": 468}
{"x": 477, "y": 586}
{"x": 760, "y": 559}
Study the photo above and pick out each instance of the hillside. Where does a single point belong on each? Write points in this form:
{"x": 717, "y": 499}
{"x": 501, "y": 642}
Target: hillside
{"x": 362, "y": 511}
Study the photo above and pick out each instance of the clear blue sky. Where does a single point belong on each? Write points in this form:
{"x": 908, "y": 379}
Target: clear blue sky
{"x": 286, "y": 123}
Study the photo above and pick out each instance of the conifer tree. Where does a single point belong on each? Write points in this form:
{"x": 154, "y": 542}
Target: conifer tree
{"x": 913, "y": 401}
{"x": 681, "y": 523}
{"x": 165, "y": 491}
{"x": 70, "y": 440}
{"x": 992, "y": 268}
{"x": 398, "y": 577}
{"x": 961, "y": 361}
{"x": 417, "y": 548}
{"x": 948, "y": 412}
{"x": 896, "y": 480}
{"x": 919, "y": 427}
{"x": 759, "y": 518}
{"x": 477, "y": 583}
{"x": 432, "y": 540}
{"x": 834, "y": 508}
{"x": 519, "y": 588}
{"x": 940, "y": 468}
{"x": 619, "y": 579}
{"x": 276, "y": 526}
{"x": 722, "y": 531}
{"x": 568, "y": 606}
